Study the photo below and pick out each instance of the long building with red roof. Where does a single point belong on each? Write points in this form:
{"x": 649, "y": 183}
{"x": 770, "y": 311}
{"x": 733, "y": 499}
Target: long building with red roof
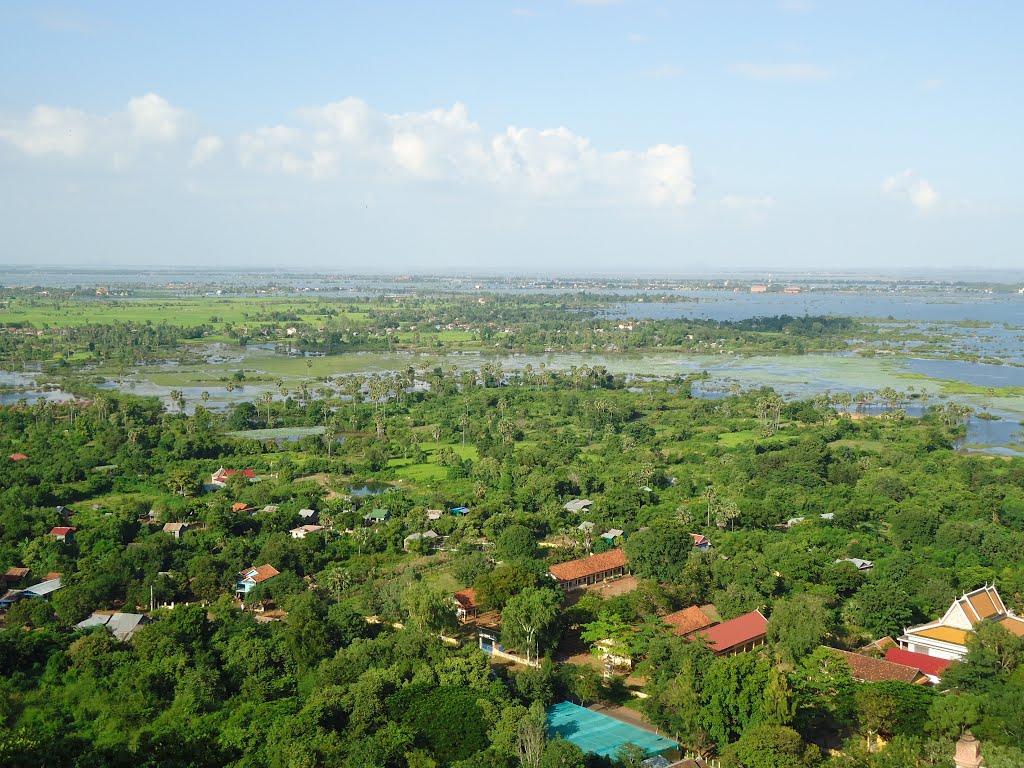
{"x": 577, "y": 574}
{"x": 744, "y": 633}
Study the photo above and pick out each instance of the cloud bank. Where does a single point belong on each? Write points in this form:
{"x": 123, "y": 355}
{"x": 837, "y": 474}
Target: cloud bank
{"x": 348, "y": 142}
{"x": 146, "y": 121}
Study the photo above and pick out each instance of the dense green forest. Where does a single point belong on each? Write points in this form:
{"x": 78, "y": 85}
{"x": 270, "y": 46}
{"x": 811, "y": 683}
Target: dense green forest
{"x": 295, "y": 674}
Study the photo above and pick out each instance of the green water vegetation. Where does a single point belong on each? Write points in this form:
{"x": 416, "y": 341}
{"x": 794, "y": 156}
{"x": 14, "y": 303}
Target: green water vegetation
{"x": 339, "y": 660}
{"x": 64, "y": 331}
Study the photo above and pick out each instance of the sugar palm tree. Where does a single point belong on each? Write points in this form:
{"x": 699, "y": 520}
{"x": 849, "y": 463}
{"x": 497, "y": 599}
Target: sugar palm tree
{"x": 710, "y": 495}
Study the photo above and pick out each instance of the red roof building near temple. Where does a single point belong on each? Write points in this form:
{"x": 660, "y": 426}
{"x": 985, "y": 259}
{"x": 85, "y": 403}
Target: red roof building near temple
{"x": 930, "y": 665}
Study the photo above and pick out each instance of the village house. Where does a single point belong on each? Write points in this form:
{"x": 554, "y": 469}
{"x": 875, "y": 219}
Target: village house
{"x": 18, "y": 457}
{"x": 412, "y": 539}
{"x": 466, "y": 605}
{"x": 309, "y": 515}
{"x": 947, "y": 637}
{"x": 744, "y": 633}
{"x": 578, "y": 505}
{"x": 612, "y": 534}
{"x": 43, "y": 589}
{"x": 63, "y": 533}
{"x": 250, "y": 577}
{"x": 220, "y": 477}
{"x": 434, "y": 514}
{"x": 122, "y": 625}
{"x": 860, "y": 565}
{"x": 759, "y": 289}
{"x": 241, "y": 506}
{"x": 176, "y": 529}
{"x": 701, "y": 542}
{"x": 16, "y": 575}
{"x": 304, "y": 530}
{"x": 577, "y": 574}
{"x": 375, "y": 516}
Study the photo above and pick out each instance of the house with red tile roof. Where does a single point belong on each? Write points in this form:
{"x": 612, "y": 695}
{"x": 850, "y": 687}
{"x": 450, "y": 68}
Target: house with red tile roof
{"x": 577, "y": 574}
{"x": 744, "y": 633}
{"x": 63, "y": 533}
{"x": 931, "y": 666}
{"x": 687, "y": 621}
{"x": 220, "y": 477}
{"x": 241, "y": 506}
{"x": 18, "y": 457}
{"x": 871, "y": 669}
{"x": 466, "y": 604}
{"x": 701, "y": 542}
{"x": 250, "y": 577}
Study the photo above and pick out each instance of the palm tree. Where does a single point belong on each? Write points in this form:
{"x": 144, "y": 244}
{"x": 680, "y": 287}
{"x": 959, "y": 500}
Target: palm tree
{"x": 176, "y": 397}
{"x": 710, "y": 495}
{"x": 267, "y": 400}
{"x": 330, "y": 435}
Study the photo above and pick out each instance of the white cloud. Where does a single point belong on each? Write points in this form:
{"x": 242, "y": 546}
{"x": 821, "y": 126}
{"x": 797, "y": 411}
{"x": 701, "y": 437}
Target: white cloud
{"x": 797, "y": 71}
{"x": 153, "y": 119}
{"x": 349, "y": 143}
{"x": 118, "y": 136}
{"x": 49, "y": 130}
{"x": 910, "y": 187}
{"x": 205, "y": 149}
{"x": 349, "y": 140}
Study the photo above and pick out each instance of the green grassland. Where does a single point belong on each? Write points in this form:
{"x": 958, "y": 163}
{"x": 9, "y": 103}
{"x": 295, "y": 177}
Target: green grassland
{"x": 180, "y": 311}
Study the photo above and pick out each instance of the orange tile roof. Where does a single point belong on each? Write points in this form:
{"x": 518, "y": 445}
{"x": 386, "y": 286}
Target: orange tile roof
{"x": 466, "y": 598}
{"x": 944, "y": 634}
{"x": 589, "y": 566}
{"x": 687, "y": 620}
{"x": 872, "y": 670}
{"x": 240, "y": 506}
{"x": 1012, "y": 624}
{"x": 259, "y": 574}
{"x": 984, "y": 604}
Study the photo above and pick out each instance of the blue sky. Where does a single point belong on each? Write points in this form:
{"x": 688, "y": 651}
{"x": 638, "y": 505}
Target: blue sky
{"x": 521, "y": 136}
